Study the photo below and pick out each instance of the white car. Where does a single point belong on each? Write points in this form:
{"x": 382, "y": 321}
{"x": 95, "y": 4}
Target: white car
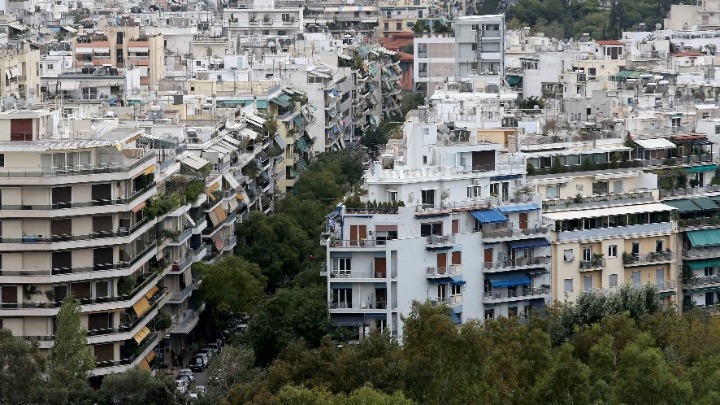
{"x": 182, "y": 385}
{"x": 188, "y": 373}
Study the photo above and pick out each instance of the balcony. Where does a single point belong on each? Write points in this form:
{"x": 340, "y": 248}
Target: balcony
{"x": 84, "y": 204}
{"x": 439, "y": 242}
{"x": 592, "y": 264}
{"x": 81, "y": 169}
{"x": 516, "y": 264}
{"x": 129, "y": 328}
{"x": 511, "y": 230}
{"x": 630, "y": 260}
{"x": 188, "y": 321}
{"x": 118, "y": 366}
{"x": 702, "y": 283}
{"x": 661, "y": 228}
{"x": 362, "y": 243}
{"x": 574, "y": 203}
{"x": 183, "y": 265}
{"x": 440, "y": 272}
{"x": 496, "y": 297}
{"x": 359, "y": 306}
{"x": 701, "y": 253}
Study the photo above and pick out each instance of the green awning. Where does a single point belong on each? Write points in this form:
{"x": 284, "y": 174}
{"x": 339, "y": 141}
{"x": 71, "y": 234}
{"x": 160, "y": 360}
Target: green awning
{"x": 261, "y": 104}
{"x": 298, "y": 121}
{"x": 701, "y": 264}
{"x": 702, "y": 168}
{"x": 283, "y": 100}
{"x": 513, "y": 80}
{"x": 703, "y": 238}
{"x": 683, "y": 206}
{"x": 705, "y": 203}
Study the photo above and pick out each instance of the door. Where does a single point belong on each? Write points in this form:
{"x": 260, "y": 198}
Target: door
{"x": 441, "y": 262}
{"x": 618, "y": 186}
{"x": 660, "y": 278}
{"x": 455, "y": 226}
{"x": 9, "y": 296}
{"x": 523, "y": 218}
{"x": 357, "y": 233}
{"x": 380, "y": 265}
{"x": 456, "y": 257}
{"x": 380, "y": 298}
{"x": 636, "y": 278}
{"x": 488, "y": 258}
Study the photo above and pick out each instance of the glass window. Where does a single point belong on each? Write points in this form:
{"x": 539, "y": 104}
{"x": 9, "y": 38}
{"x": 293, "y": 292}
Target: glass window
{"x": 612, "y": 251}
{"x": 600, "y": 187}
{"x": 428, "y": 197}
{"x": 552, "y": 192}
{"x": 568, "y": 285}
{"x": 569, "y": 256}
{"x": 613, "y": 279}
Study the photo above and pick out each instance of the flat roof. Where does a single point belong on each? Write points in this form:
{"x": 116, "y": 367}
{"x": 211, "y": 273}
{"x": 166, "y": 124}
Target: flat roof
{"x": 604, "y": 212}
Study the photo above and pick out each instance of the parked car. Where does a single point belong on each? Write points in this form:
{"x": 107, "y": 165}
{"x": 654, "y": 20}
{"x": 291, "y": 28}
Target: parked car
{"x": 198, "y": 363}
{"x": 205, "y": 357}
{"x": 207, "y": 351}
{"x": 214, "y": 347}
{"x": 182, "y": 384}
{"x": 187, "y": 373}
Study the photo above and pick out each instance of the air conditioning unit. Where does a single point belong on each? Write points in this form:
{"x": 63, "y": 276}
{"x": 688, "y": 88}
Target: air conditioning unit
{"x": 476, "y": 182}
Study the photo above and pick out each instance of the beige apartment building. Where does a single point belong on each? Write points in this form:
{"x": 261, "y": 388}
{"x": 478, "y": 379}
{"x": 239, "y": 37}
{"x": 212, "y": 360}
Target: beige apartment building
{"x": 73, "y": 220}
{"x": 22, "y": 73}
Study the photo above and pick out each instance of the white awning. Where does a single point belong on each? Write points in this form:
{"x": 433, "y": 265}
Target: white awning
{"x": 549, "y": 180}
{"x": 229, "y": 139}
{"x": 655, "y": 143}
{"x": 195, "y": 162}
{"x": 604, "y": 212}
{"x": 138, "y": 49}
{"x": 259, "y": 121}
{"x": 248, "y": 133}
{"x": 70, "y": 29}
{"x": 218, "y": 148}
{"x": 607, "y": 176}
{"x": 101, "y": 49}
{"x": 67, "y": 85}
{"x": 83, "y": 50}
{"x": 18, "y": 27}
{"x": 227, "y": 145}
{"x": 231, "y": 181}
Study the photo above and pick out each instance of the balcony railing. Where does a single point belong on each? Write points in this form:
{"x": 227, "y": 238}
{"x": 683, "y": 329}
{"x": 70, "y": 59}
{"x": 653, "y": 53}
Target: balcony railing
{"x": 432, "y": 272}
{"x": 495, "y": 296}
{"x": 150, "y": 340}
{"x": 519, "y": 262}
{"x": 573, "y": 202}
{"x": 592, "y": 264}
{"x": 67, "y": 238}
{"x": 438, "y": 240}
{"x": 511, "y": 230}
{"x": 677, "y": 161}
{"x": 701, "y": 281}
{"x": 701, "y": 253}
{"x": 649, "y": 258}
{"x": 361, "y": 243}
{"x": 81, "y": 169}
{"x": 84, "y": 204}
{"x": 369, "y": 304}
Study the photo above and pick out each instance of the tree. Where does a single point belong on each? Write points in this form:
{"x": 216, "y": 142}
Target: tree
{"x": 293, "y": 395}
{"x": 231, "y": 285}
{"x": 21, "y": 369}
{"x": 71, "y": 359}
{"x": 566, "y": 382}
{"x": 288, "y": 315}
{"x": 137, "y": 386}
{"x": 234, "y": 365}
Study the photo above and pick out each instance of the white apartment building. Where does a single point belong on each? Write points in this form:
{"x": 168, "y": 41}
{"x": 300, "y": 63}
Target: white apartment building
{"x": 447, "y": 219}
{"x": 480, "y": 48}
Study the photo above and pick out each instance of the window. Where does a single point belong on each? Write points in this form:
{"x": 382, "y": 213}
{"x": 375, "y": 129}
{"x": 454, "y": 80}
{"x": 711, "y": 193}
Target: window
{"x": 636, "y": 278}
{"x": 433, "y": 228}
{"x": 455, "y": 289}
{"x": 659, "y": 246}
{"x": 2, "y": 160}
{"x": 612, "y": 251}
{"x": 341, "y": 263}
{"x": 286, "y": 18}
{"x": 613, "y": 279}
{"x": 600, "y": 187}
{"x": 428, "y": 197}
{"x": 473, "y": 47}
{"x": 552, "y": 192}
{"x": 569, "y": 256}
{"x": 475, "y": 27}
{"x": 342, "y": 298}
{"x": 635, "y": 248}
{"x": 587, "y": 283}
{"x": 709, "y": 271}
{"x": 392, "y": 195}
{"x": 717, "y": 129}
{"x": 422, "y": 69}
{"x": 512, "y": 312}
{"x": 398, "y": 26}
{"x": 494, "y": 189}
{"x": 386, "y": 26}
{"x": 50, "y": 66}
{"x": 568, "y": 285}
{"x": 473, "y": 191}
{"x": 587, "y": 254}
{"x": 119, "y": 37}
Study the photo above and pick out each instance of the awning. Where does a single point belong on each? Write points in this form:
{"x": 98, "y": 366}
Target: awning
{"x": 248, "y": 133}
{"x": 138, "y": 49}
{"x": 139, "y": 207}
{"x": 705, "y": 203}
{"x": 149, "y": 169}
{"x": 505, "y": 209}
{"x": 704, "y": 238}
{"x": 280, "y": 141}
{"x": 231, "y": 181}
{"x": 195, "y": 162}
{"x": 529, "y": 243}
{"x": 283, "y": 100}
{"x": 261, "y": 104}
{"x": 17, "y": 26}
{"x": 68, "y": 85}
{"x": 219, "y": 211}
{"x": 213, "y": 218}
{"x": 347, "y": 319}
{"x": 218, "y": 242}
{"x": 70, "y": 29}
{"x": 140, "y": 336}
{"x": 509, "y": 280}
{"x": 683, "y": 206}
{"x": 513, "y": 80}
{"x": 702, "y": 168}
{"x": 655, "y": 143}
{"x": 232, "y": 204}
{"x": 457, "y": 280}
{"x": 83, "y": 51}
{"x": 376, "y": 315}
{"x": 609, "y": 211}
{"x": 229, "y": 139}
{"x": 144, "y": 364}
{"x": 150, "y": 357}
{"x": 152, "y": 292}
{"x": 440, "y": 280}
{"x": 701, "y": 264}
{"x": 141, "y": 306}
{"x": 489, "y": 216}
{"x": 101, "y": 49}
{"x": 255, "y": 120}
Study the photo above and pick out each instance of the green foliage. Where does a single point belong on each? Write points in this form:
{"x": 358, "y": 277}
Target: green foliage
{"x": 235, "y": 365}
{"x": 530, "y": 104}
{"x": 144, "y": 180}
{"x": 290, "y": 314}
{"x": 21, "y": 368}
{"x": 137, "y": 386}
{"x": 193, "y": 190}
{"x": 530, "y": 169}
{"x": 71, "y": 359}
{"x": 162, "y": 322}
{"x": 160, "y": 205}
{"x": 231, "y": 285}
{"x": 291, "y": 395}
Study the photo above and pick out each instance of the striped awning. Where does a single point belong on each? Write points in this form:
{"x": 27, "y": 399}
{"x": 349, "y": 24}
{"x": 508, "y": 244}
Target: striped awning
{"x": 152, "y": 292}
{"x": 141, "y": 306}
{"x": 142, "y": 334}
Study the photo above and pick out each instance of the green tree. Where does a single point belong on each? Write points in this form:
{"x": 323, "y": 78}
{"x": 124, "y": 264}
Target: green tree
{"x": 137, "y": 386}
{"x": 236, "y": 364}
{"x": 566, "y": 382}
{"x": 71, "y": 359}
{"x": 231, "y": 285}
{"x": 21, "y": 370}
{"x": 293, "y": 395}
{"x": 288, "y": 315}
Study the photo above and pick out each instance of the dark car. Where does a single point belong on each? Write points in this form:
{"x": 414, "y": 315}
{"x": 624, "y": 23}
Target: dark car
{"x": 197, "y": 363}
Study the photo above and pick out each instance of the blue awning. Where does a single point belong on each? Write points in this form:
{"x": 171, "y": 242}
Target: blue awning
{"x": 298, "y": 120}
{"x": 509, "y": 281}
{"x": 529, "y": 243}
{"x": 375, "y": 315}
{"x": 489, "y": 216}
{"x": 505, "y": 209}
{"x": 440, "y": 280}
{"x": 261, "y": 103}
{"x": 506, "y": 177}
{"x": 457, "y": 280}
{"x": 347, "y": 319}
{"x": 455, "y": 318}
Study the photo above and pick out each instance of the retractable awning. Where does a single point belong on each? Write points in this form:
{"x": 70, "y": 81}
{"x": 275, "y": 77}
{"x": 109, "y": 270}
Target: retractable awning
{"x": 705, "y": 203}
{"x": 231, "y": 181}
{"x": 702, "y": 168}
{"x": 701, "y": 264}
{"x": 489, "y": 216}
{"x": 704, "y": 238}
{"x": 195, "y": 162}
{"x": 509, "y": 280}
{"x": 655, "y": 144}
{"x": 218, "y": 243}
{"x": 280, "y": 141}
{"x": 141, "y": 306}
{"x": 505, "y": 209}
{"x": 529, "y": 243}
{"x": 248, "y": 133}
{"x": 152, "y": 292}
{"x": 683, "y": 206}
{"x": 142, "y": 334}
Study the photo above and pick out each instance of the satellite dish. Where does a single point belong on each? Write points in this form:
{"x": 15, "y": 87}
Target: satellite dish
{"x": 443, "y": 129}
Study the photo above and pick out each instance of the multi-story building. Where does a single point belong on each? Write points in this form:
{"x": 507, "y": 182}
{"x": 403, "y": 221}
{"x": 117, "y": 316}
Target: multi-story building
{"x": 433, "y": 61}
{"x": 401, "y": 15}
{"x": 75, "y": 221}
{"x": 480, "y": 48}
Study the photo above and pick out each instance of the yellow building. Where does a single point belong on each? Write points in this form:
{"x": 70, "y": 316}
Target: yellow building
{"x": 22, "y": 75}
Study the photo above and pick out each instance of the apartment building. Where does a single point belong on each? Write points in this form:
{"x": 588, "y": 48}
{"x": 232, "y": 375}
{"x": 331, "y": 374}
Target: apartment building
{"x": 74, "y": 222}
{"x": 433, "y": 61}
{"x": 445, "y": 218}
{"x": 22, "y": 76}
{"x": 401, "y": 15}
{"x": 480, "y": 48}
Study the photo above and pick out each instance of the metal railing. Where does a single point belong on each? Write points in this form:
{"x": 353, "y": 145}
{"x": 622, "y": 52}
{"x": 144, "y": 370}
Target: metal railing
{"x": 436, "y": 240}
{"x": 509, "y": 230}
{"x": 84, "y": 204}
{"x": 592, "y": 264}
{"x": 69, "y": 238}
{"x": 510, "y": 294}
{"x": 361, "y": 243}
{"x": 699, "y": 253}
{"x": 570, "y": 201}
{"x": 522, "y": 261}
{"x": 443, "y": 271}
{"x": 80, "y": 169}
{"x": 652, "y": 257}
